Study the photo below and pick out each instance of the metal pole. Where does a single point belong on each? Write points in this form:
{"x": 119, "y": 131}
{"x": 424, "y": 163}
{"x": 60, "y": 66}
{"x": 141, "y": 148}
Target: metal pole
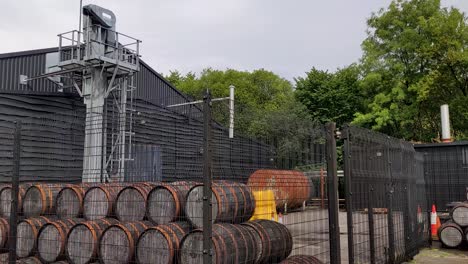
{"x": 346, "y": 135}
{"x": 390, "y": 190}
{"x": 370, "y": 215}
{"x": 332, "y": 184}
{"x": 231, "y": 111}
{"x": 14, "y": 192}
{"x": 207, "y": 177}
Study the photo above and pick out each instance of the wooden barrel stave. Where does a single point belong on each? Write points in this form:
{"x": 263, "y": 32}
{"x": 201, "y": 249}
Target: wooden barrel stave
{"x": 276, "y": 240}
{"x": 130, "y": 203}
{"x": 69, "y": 201}
{"x": 4, "y": 232}
{"x": 52, "y": 239}
{"x": 166, "y": 201}
{"x": 302, "y": 259}
{"x": 231, "y": 244}
{"x": 459, "y": 214}
{"x": 232, "y": 203}
{"x": 5, "y": 199}
{"x": 99, "y": 200}
{"x": 450, "y": 234}
{"x": 160, "y": 244}
{"x": 118, "y": 242}
{"x": 39, "y": 199}
{"x": 27, "y": 234}
{"x": 83, "y": 240}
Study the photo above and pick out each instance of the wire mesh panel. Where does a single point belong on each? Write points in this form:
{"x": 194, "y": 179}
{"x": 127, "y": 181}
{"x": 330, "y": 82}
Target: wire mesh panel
{"x": 387, "y": 211}
{"x": 126, "y": 183}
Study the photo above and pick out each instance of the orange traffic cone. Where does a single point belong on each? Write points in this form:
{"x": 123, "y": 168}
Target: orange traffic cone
{"x": 435, "y": 223}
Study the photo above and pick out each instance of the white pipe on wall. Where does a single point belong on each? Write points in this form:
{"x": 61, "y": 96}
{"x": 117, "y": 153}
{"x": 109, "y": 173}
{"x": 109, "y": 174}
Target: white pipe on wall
{"x": 445, "y": 123}
{"x": 231, "y": 111}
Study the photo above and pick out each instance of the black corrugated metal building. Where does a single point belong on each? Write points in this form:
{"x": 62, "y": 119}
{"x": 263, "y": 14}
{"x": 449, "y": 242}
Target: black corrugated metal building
{"x": 53, "y": 127}
{"x": 446, "y": 172}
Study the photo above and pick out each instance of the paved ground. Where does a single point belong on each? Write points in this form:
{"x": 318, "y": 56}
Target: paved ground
{"x": 436, "y": 255}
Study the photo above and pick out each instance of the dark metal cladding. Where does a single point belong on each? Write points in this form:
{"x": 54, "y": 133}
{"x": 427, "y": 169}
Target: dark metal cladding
{"x": 151, "y": 85}
{"x": 446, "y": 167}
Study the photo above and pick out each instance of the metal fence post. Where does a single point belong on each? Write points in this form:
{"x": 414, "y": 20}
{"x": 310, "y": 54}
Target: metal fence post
{"x": 207, "y": 177}
{"x": 346, "y": 135}
{"x": 332, "y": 184}
{"x": 14, "y": 193}
{"x": 389, "y": 195}
{"x": 370, "y": 215}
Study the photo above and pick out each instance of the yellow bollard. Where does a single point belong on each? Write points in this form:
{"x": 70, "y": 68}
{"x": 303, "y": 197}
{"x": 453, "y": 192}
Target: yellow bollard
{"x": 265, "y": 206}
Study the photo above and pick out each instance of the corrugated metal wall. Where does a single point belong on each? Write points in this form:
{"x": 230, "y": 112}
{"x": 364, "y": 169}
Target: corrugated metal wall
{"x": 53, "y": 138}
{"x": 151, "y": 86}
{"x": 446, "y": 172}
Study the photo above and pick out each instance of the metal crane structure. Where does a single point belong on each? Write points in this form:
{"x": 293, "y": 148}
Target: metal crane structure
{"x": 101, "y": 64}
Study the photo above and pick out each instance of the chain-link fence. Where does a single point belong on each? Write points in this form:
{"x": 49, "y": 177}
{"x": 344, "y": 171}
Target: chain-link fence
{"x": 386, "y": 202}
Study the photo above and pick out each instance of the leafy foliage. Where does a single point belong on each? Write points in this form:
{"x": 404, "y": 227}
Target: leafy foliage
{"x": 331, "y": 96}
{"x": 415, "y": 59}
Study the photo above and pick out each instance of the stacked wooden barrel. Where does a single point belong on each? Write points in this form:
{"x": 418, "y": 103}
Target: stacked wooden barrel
{"x": 142, "y": 223}
{"x": 259, "y": 241}
{"x": 52, "y": 239}
{"x": 27, "y": 235}
{"x": 160, "y": 244}
{"x": 99, "y": 200}
{"x": 130, "y": 204}
{"x": 69, "y": 201}
{"x": 39, "y": 199}
{"x": 5, "y": 198}
{"x": 166, "y": 202}
{"x": 118, "y": 242}
{"x": 453, "y": 232}
{"x": 231, "y": 203}
{"x": 302, "y": 259}
{"x": 83, "y": 240}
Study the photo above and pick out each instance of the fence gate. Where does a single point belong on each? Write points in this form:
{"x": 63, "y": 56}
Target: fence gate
{"x": 385, "y": 197}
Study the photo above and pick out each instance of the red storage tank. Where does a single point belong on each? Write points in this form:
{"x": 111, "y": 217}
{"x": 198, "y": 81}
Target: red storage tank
{"x": 289, "y": 186}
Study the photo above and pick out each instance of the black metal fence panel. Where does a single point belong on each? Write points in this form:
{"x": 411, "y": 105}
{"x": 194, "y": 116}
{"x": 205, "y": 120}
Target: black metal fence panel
{"x": 130, "y": 187}
{"x": 385, "y": 195}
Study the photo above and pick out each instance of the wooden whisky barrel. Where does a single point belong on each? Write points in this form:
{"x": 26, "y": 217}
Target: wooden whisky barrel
{"x": 459, "y": 214}
{"x": 83, "y": 240}
{"x": 166, "y": 201}
{"x": 5, "y": 199}
{"x": 232, "y": 203}
{"x": 28, "y": 231}
{"x": 99, "y": 200}
{"x": 130, "y": 204}
{"x": 4, "y": 232}
{"x": 39, "y": 199}
{"x": 302, "y": 259}
{"x": 69, "y": 201}
{"x": 451, "y": 235}
{"x": 276, "y": 240}
{"x": 230, "y": 244}
{"x": 52, "y": 239}
{"x": 160, "y": 244}
{"x": 118, "y": 242}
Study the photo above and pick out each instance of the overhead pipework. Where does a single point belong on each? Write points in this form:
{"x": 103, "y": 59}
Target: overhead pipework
{"x": 445, "y": 123}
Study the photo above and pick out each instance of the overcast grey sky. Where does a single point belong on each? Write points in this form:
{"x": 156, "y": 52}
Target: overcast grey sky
{"x": 287, "y": 37}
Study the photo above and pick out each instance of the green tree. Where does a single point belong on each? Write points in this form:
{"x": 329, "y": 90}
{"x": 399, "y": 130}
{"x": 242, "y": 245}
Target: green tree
{"x": 415, "y": 59}
{"x": 331, "y": 96}
{"x": 258, "y": 94}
